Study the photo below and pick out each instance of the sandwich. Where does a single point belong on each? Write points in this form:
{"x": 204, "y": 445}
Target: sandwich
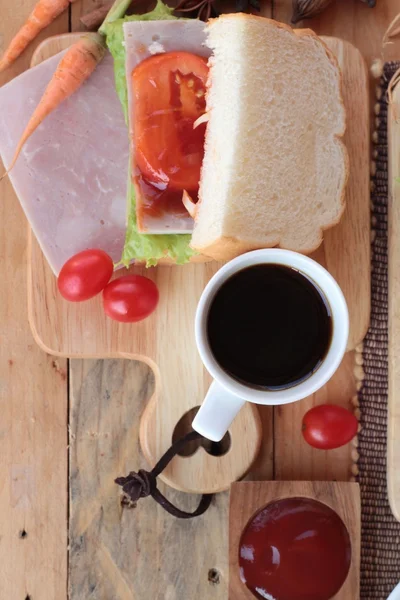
{"x": 235, "y": 136}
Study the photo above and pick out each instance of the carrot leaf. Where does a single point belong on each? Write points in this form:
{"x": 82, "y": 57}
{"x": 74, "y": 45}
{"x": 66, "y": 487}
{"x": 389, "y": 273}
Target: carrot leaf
{"x": 117, "y": 11}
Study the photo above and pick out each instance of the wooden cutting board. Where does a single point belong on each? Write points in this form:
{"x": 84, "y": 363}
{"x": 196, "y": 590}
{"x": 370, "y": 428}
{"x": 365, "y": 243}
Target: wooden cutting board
{"x": 165, "y": 341}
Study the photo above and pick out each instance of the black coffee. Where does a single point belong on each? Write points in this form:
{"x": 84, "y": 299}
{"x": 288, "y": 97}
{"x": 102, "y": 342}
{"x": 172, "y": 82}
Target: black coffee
{"x": 269, "y": 326}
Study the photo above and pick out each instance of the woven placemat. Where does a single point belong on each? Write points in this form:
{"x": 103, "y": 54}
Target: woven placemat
{"x": 380, "y": 548}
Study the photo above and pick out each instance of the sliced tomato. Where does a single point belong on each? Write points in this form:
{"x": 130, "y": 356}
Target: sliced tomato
{"x": 169, "y": 95}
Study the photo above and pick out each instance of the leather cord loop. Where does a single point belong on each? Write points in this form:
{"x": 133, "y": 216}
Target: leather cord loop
{"x": 144, "y": 483}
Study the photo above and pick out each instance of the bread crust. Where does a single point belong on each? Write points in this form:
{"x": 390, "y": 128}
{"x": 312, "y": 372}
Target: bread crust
{"x": 226, "y": 248}
{"x": 338, "y": 136}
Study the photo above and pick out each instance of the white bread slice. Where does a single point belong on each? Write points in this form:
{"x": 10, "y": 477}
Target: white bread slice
{"x": 275, "y": 169}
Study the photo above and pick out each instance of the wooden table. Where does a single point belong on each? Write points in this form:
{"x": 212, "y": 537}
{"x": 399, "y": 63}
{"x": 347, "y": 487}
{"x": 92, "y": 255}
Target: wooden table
{"x": 36, "y": 391}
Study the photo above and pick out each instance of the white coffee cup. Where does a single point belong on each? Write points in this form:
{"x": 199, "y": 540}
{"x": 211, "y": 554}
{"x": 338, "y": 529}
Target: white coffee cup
{"x": 395, "y": 595}
{"x": 226, "y": 395}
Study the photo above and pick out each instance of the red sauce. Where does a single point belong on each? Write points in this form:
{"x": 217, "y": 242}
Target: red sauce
{"x": 169, "y": 96}
{"x": 155, "y": 202}
{"x": 295, "y": 549}
{"x": 158, "y": 199}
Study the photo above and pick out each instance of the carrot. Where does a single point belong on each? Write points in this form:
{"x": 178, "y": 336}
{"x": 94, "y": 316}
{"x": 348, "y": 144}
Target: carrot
{"x": 43, "y": 14}
{"x": 77, "y": 64}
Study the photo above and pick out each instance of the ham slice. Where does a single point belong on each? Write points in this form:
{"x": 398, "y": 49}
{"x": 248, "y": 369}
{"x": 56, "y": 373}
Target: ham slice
{"x": 144, "y": 39}
{"x": 71, "y": 176}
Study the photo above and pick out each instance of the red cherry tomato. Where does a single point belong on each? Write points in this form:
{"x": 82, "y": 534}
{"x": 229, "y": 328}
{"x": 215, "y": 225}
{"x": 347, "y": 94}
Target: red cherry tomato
{"x": 329, "y": 426}
{"x": 130, "y": 298}
{"x": 169, "y": 91}
{"x": 85, "y": 275}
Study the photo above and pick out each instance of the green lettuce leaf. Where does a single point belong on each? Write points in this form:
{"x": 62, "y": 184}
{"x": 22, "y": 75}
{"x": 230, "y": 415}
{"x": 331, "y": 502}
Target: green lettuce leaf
{"x": 139, "y": 246}
{"x": 152, "y": 247}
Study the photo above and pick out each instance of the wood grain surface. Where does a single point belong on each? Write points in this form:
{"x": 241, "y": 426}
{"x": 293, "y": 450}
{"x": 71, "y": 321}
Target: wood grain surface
{"x": 33, "y": 402}
{"x": 36, "y": 565}
{"x": 144, "y": 553}
{"x": 354, "y": 22}
{"x": 296, "y": 460}
{"x": 202, "y": 471}
{"x": 247, "y": 498}
{"x": 83, "y": 329}
{"x": 393, "y": 459}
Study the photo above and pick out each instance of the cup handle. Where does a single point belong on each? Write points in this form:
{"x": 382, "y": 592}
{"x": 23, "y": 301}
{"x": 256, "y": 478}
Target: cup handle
{"x": 217, "y": 412}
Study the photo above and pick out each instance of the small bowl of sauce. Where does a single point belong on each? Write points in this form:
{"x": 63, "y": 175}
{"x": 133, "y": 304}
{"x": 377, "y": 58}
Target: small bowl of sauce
{"x": 295, "y": 549}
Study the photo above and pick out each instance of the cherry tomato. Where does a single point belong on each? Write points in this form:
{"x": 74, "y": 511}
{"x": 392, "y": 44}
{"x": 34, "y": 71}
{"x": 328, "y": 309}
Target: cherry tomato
{"x": 169, "y": 95}
{"x": 130, "y": 298}
{"x": 85, "y": 275}
{"x": 329, "y": 426}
